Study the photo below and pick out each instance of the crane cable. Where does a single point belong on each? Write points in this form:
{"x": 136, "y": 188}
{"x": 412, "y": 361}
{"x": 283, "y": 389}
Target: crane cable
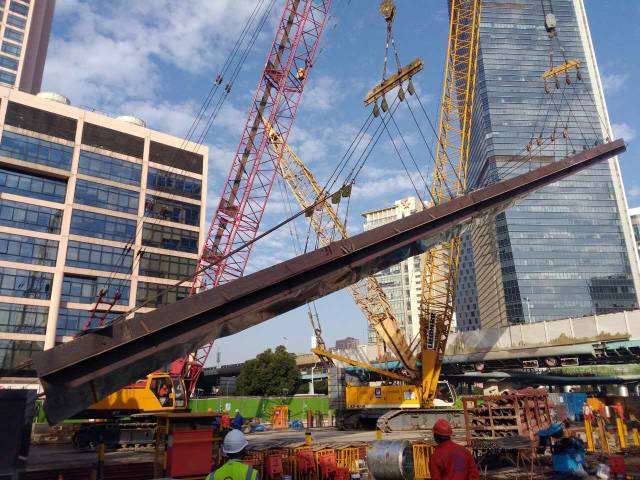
{"x": 205, "y": 104}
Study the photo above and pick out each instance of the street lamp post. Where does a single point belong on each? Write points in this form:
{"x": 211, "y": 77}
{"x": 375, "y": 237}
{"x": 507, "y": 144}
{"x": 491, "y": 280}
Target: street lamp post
{"x": 311, "y": 386}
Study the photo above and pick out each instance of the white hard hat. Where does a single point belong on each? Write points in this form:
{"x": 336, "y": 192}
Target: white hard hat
{"x": 234, "y": 442}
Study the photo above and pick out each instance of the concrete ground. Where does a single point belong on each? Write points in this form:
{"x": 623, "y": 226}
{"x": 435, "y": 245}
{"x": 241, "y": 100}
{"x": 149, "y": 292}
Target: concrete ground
{"x": 51, "y": 457}
{"x": 324, "y": 436}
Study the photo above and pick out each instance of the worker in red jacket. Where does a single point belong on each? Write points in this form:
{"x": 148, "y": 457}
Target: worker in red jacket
{"x": 450, "y": 461}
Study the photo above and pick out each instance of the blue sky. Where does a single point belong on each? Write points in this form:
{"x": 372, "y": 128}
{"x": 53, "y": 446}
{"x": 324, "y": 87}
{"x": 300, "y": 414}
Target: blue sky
{"x": 156, "y": 59}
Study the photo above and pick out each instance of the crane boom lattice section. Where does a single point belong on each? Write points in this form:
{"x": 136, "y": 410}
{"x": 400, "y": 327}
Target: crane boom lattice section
{"x": 449, "y": 180}
{"x": 367, "y": 293}
{"x": 253, "y": 168}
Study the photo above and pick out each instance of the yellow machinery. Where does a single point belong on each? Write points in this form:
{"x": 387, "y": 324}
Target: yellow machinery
{"x": 158, "y": 392}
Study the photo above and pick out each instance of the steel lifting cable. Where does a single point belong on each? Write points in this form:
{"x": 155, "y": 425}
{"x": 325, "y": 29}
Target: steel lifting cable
{"x": 222, "y": 258}
{"x": 386, "y": 128}
{"x": 293, "y": 231}
{"x": 318, "y": 202}
{"x": 200, "y": 116}
{"x": 415, "y": 164}
{"x": 204, "y": 107}
{"x": 436, "y": 136}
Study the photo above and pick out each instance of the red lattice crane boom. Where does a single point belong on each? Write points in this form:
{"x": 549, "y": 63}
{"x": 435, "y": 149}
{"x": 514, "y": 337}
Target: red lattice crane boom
{"x": 254, "y": 165}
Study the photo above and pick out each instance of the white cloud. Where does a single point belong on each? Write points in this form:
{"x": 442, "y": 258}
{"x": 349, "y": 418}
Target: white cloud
{"x": 623, "y": 130}
{"x": 166, "y": 117}
{"x": 114, "y": 50}
{"x": 614, "y": 82}
{"x": 378, "y": 182}
{"x": 323, "y": 93}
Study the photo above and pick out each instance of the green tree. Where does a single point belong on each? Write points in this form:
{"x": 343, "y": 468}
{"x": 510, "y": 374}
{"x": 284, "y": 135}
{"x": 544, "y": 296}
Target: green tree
{"x": 270, "y": 373}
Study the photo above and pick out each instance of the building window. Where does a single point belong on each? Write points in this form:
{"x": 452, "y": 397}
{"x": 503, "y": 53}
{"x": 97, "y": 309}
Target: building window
{"x": 41, "y": 121}
{"x": 11, "y": 48}
{"x": 167, "y": 266}
{"x": 173, "y": 183}
{"x": 72, "y": 321}
{"x": 33, "y": 186}
{"x": 8, "y": 78}
{"x": 19, "y": 8}
{"x": 113, "y": 140}
{"x": 14, "y": 354}
{"x": 96, "y": 225}
{"x": 15, "y": 318}
{"x": 172, "y": 210}
{"x": 12, "y": 34}
{"x": 99, "y": 257}
{"x": 29, "y": 149}
{"x": 175, "y": 157}
{"x": 158, "y": 295}
{"x": 105, "y": 196}
{"x": 10, "y": 63}
{"x": 16, "y": 21}
{"x": 25, "y": 283}
{"x": 103, "y": 166}
{"x": 80, "y": 289}
{"x": 30, "y": 217}
{"x": 161, "y": 236}
{"x": 19, "y": 248}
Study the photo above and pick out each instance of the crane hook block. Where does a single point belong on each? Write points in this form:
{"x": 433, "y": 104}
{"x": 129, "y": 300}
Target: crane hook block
{"x": 388, "y": 10}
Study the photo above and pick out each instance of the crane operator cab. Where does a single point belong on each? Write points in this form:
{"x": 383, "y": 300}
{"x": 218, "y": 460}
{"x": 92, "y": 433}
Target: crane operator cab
{"x": 168, "y": 390}
{"x": 446, "y": 396}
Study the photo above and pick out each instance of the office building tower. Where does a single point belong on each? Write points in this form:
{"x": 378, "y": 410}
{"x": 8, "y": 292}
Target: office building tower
{"x": 89, "y": 204}
{"x": 566, "y": 250}
{"x": 25, "y": 26}
{"x": 402, "y": 283}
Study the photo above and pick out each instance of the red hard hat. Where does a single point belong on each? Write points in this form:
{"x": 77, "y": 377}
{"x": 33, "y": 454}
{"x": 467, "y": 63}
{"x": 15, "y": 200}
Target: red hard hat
{"x": 442, "y": 428}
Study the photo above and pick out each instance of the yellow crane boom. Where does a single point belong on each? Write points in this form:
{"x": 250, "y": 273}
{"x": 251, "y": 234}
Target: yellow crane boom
{"x": 440, "y": 273}
{"x": 367, "y": 293}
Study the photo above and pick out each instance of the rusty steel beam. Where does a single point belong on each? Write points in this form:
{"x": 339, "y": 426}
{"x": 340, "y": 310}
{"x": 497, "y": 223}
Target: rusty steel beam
{"x": 76, "y": 374}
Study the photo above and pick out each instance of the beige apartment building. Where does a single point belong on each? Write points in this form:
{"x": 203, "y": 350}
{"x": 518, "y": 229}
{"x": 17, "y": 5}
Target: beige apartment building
{"x": 25, "y": 26}
{"x": 88, "y": 204}
{"x": 402, "y": 283}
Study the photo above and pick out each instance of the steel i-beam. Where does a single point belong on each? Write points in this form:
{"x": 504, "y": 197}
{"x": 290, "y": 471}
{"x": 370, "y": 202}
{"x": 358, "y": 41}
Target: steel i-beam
{"x": 74, "y": 375}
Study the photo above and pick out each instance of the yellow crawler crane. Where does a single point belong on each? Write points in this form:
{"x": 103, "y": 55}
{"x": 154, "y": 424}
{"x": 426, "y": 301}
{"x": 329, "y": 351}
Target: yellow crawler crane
{"x": 449, "y": 180}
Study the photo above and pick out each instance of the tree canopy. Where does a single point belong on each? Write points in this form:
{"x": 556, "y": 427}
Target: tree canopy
{"x": 270, "y": 373}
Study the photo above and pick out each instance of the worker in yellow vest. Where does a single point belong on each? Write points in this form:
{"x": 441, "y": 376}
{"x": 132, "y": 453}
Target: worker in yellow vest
{"x": 233, "y": 447}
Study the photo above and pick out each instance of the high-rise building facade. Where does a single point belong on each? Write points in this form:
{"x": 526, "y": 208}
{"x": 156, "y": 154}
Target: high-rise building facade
{"x": 634, "y": 216}
{"x": 402, "y": 283}
{"x": 25, "y": 26}
{"x": 89, "y": 204}
{"x": 567, "y": 250}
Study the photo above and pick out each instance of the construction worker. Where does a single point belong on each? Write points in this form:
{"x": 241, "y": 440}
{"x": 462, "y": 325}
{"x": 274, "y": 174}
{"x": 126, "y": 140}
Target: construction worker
{"x": 233, "y": 447}
{"x": 237, "y": 421}
{"x": 450, "y": 461}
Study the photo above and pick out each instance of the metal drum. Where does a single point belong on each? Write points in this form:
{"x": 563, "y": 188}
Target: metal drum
{"x": 390, "y": 460}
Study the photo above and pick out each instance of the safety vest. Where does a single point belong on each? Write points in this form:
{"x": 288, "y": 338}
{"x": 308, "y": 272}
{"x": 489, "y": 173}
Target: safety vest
{"x": 234, "y": 470}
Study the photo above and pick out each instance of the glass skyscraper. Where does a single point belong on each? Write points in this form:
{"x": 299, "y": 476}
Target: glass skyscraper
{"x": 24, "y": 35}
{"x": 89, "y": 204}
{"x": 567, "y": 250}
